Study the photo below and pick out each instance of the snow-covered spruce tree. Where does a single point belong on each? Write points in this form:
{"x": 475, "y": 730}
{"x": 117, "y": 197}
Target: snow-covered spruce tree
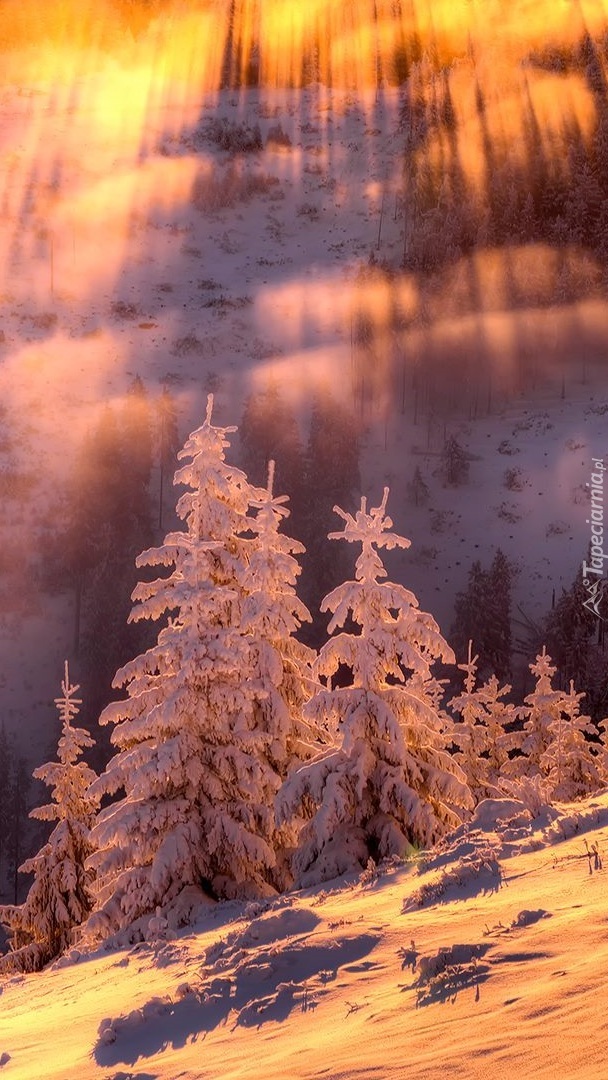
{"x": 271, "y": 615}
{"x": 60, "y": 897}
{"x": 389, "y": 782}
{"x": 279, "y": 665}
{"x": 570, "y": 762}
{"x": 480, "y": 735}
{"x": 540, "y": 708}
{"x": 552, "y": 742}
{"x": 197, "y": 768}
{"x": 602, "y": 749}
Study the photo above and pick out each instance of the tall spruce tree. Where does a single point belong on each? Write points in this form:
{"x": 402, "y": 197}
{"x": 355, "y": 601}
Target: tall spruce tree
{"x": 198, "y": 736}
{"x": 279, "y": 664}
{"x": 272, "y": 614}
{"x": 388, "y": 783}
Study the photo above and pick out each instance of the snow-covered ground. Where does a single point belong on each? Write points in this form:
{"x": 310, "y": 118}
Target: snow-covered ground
{"x": 117, "y": 258}
{"x": 486, "y": 959}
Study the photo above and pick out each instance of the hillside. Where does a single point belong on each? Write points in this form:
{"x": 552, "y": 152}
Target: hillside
{"x": 205, "y": 287}
{"x": 366, "y": 230}
{"x": 486, "y": 959}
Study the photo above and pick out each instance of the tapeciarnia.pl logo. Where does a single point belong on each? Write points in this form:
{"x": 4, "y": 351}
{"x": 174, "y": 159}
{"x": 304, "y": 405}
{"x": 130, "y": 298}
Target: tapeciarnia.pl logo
{"x": 593, "y": 571}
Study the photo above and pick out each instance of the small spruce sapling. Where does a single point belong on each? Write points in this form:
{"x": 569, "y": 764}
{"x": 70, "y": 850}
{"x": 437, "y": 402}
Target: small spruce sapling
{"x": 541, "y": 707}
{"x": 552, "y": 744}
{"x": 571, "y": 762}
{"x": 60, "y": 897}
{"x": 480, "y": 735}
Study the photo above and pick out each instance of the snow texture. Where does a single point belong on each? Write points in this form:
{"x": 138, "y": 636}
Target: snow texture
{"x": 387, "y": 783}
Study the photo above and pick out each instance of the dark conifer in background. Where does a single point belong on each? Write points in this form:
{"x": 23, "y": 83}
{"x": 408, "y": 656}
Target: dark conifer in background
{"x": 269, "y": 431}
{"x": 482, "y": 612}
{"x": 417, "y": 489}
{"x": 332, "y": 477}
{"x": 168, "y": 445}
{"x": 497, "y": 616}
{"x": 455, "y": 465}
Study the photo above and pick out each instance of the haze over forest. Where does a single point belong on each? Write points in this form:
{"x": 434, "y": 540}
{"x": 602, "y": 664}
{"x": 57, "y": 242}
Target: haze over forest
{"x": 376, "y": 232}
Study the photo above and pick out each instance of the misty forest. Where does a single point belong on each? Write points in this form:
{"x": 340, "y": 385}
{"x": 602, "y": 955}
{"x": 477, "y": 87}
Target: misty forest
{"x": 303, "y": 425}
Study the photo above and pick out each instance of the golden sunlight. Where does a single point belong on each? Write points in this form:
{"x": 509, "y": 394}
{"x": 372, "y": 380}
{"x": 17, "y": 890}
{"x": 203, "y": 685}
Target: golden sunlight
{"x": 115, "y": 173}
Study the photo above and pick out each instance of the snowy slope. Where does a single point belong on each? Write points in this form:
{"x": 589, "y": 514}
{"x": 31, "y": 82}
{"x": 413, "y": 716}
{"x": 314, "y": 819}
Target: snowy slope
{"x": 487, "y": 961}
{"x": 111, "y": 268}
{"x": 228, "y": 298}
